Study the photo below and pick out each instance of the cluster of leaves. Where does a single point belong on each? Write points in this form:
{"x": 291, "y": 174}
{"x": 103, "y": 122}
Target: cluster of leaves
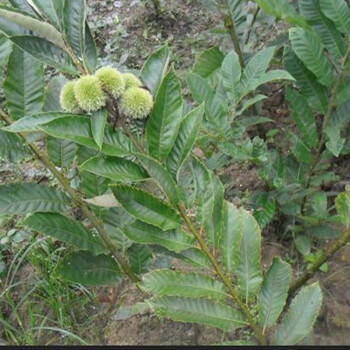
{"x": 238, "y": 13}
{"x": 318, "y": 58}
{"x": 146, "y": 194}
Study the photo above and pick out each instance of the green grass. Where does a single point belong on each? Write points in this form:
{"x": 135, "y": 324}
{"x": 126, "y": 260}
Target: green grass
{"x": 39, "y": 308}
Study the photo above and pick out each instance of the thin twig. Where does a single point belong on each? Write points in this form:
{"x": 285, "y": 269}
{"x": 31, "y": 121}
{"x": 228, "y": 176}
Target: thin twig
{"x": 325, "y": 256}
{"x": 250, "y": 28}
{"x": 231, "y": 28}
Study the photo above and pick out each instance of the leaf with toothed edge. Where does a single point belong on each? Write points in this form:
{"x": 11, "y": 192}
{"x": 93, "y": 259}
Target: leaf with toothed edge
{"x": 147, "y": 208}
{"x": 162, "y": 176}
{"x": 174, "y": 240}
{"x": 87, "y": 269}
{"x": 24, "y": 85}
{"x": 98, "y": 125}
{"x": 28, "y": 198}
{"x": 116, "y": 169}
{"x": 182, "y": 284}
{"x": 164, "y": 122}
{"x": 185, "y": 140}
{"x": 202, "y": 311}
{"x": 301, "y": 316}
{"x": 153, "y": 71}
{"x": 274, "y": 291}
{"x": 66, "y": 230}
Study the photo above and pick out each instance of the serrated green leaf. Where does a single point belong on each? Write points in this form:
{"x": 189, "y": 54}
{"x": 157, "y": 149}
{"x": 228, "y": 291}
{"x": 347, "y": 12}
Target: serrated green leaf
{"x": 116, "y": 144}
{"x": 98, "y": 125}
{"x": 231, "y": 236}
{"x": 196, "y": 258}
{"x": 116, "y": 169}
{"x": 324, "y": 232}
{"x": 22, "y": 5}
{"x": 66, "y": 230}
{"x": 274, "y": 291}
{"x": 45, "y": 51}
{"x": 253, "y": 71}
{"x": 209, "y": 197}
{"x": 87, "y": 269}
{"x": 146, "y": 207}
{"x": 51, "y": 10}
{"x": 185, "y": 140}
{"x": 162, "y": 176}
{"x": 342, "y": 203}
{"x": 342, "y": 91}
{"x": 153, "y": 71}
{"x": 306, "y": 81}
{"x": 310, "y": 50}
{"x": 335, "y": 142}
{"x": 338, "y": 12}
{"x": 5, "y": 51}
{"x": 53, "y": 89}
{"x": 282, "y": 9}
{"x": 28, "y": 198}
{"x": 200, "y": 311}
{"x": 174, "y": 240}
{"x": 90, "y": 51}
{"x": 325, "y": 28}
{"x": 182, "y": 284}
{"x": 247, "y": 104}
{"x": 301, "y": 151}
{"x": 304, "y": 118}
{"x": 212, "y": 224}
{"x": 215, "y": 112}
{"x": 78, "y": 129}
{"x": 140, "y": 257}
{"x": 300, "y": 317}
{"x": 271, "y": 76}
{"x": 339, "y": 117}
{"x": 74, "y": 13}
{"x": 33, "y": 122}
{"x": 264, "y": 208}
{"x": 60, "y": 151}
{"x": 114, "y": 220}
{"x": 24, "y": 85}
{"x": 248, "y": 271}
{"x": 164, "y": 123}
{"x": 12, "y": 148}
{"x": 303, "y": 245}
{"x": 231, "y": 75}
{"x": 14, "y": 22}
{"x": 208, "y": 63}
{"x": 91, "y": 184}
{"x": 319, "y": 203}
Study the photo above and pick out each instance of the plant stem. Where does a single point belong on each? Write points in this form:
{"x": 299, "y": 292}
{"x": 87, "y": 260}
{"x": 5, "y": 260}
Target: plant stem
{"x": 260, "y": 337}
{"x": 81, "y": 68}
{"x": 326, "y": 255}
{"x": 250, "y": 28}
{"x": 231, "y": 28}
{"x": 78, "y": 200}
